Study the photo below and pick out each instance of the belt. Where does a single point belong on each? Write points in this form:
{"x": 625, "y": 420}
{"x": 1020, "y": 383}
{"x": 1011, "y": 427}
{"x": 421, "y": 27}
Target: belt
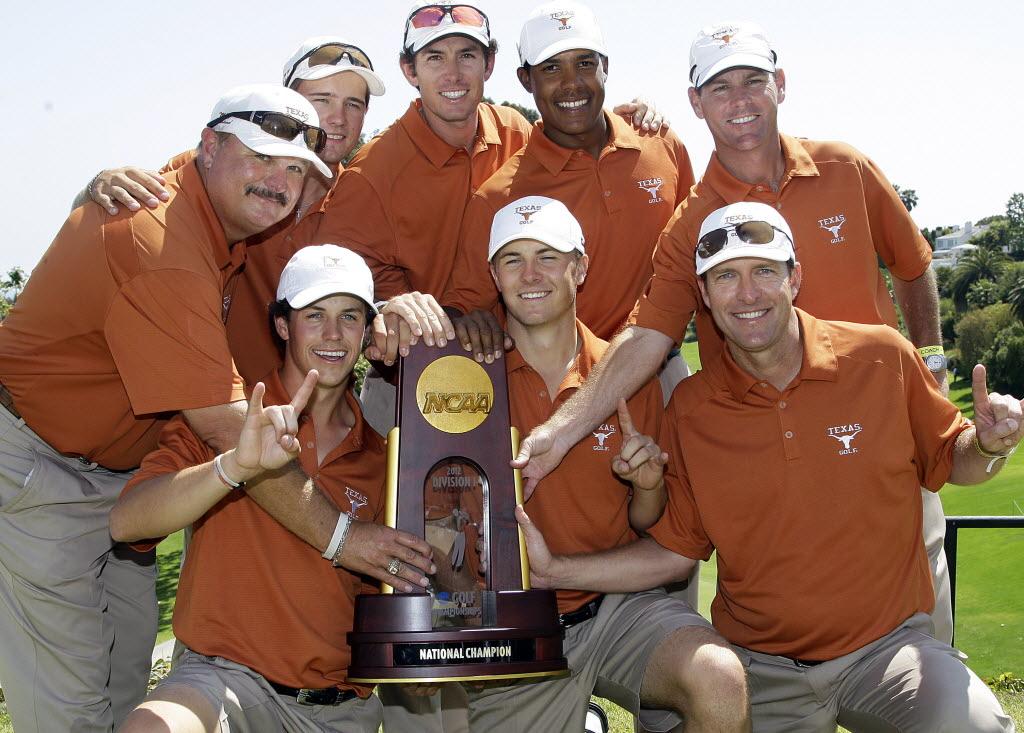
{"x": 806, "y": 662}
{"x": 8, "y": 402}
{"x": 313, "y": 696}
{"x": 584, "y": 613}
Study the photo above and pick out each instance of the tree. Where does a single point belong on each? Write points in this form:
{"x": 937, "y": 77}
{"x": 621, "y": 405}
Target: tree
{"x": 1015, "y": 296}
{"x": 907, "y": 195}
{"x": 982, "y": 294}
{"x": 10, "y": 288}
{"x": 995, "y": 237}
{"x": 976, "y": 332}
{"x": 1005, "y": 360}
{"x": 529, "y": 113}
{"x": 978, "y": 264}
{"x": 1015, "y": 216}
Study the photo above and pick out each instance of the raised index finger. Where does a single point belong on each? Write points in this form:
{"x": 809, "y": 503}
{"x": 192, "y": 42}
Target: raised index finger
{"x": 979, "y": 386}
{"x": 625, "y": 420}
{"x": 301, "y": 396}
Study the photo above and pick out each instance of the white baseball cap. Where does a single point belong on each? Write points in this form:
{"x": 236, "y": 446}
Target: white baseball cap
{"x": 267, "y": 98}
{"x": 320, "y": 270}
{"x": 725, "y": 46}
{"x": 771, "y": 242}
{"x": 338, "y": 55}
{"x": 555, "y": 27}
{"x": 536, "y": 217}
{"x": 449, "y": 23}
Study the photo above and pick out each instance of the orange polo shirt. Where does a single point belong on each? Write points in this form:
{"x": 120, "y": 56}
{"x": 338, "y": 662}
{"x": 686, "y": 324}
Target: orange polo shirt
{"x": 248, "y": 324}
{"x": 400, "y": 202}
{"x": 844, "y": 215}
{"x": 810, "y": 495}
{"x": 622, "y": 201}
{"x": 572, "y": 519}
{"x": 253, "y": 592}
{"x": 122, "y": 323}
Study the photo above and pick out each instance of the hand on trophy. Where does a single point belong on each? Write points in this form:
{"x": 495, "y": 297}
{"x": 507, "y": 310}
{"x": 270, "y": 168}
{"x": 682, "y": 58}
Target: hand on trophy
{"x": 542, "y": 562}
{"x": 640, "y": 460}
{"x": 480, "y": 334}
{"x": 398, "y": 558}
{"x": 269, "y": 434}
{"x": 403, "y": 321}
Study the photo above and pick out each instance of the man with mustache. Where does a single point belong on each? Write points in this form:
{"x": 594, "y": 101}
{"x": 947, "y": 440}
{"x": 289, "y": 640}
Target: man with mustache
{"x": 121, "y": 325}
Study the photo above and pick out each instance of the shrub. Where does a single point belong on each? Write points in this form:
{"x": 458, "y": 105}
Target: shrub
{"x": 982, "y": 293}
{"x": 976, "y": 331}
{"x": 1005, "y": 360}
{"x": 947, "y": 321}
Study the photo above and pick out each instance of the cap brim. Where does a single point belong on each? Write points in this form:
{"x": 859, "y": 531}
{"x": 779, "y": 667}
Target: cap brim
{"x": 373, "y": 82}
{"x": 755, "y": 251}
{"x": 256, "y": 140}
{"x": 565, "y": 44}
{"x": 734, "y": 61}
{"x": 323, "y": 290}
{"x": 536, "y": 235}
{"x": 450, "y": 29}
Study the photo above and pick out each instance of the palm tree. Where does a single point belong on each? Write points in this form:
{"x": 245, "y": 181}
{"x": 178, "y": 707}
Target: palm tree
{"x": 1015, "y": 296}
{"x": 978, "y": 264}
{"x": 15, "y": 281}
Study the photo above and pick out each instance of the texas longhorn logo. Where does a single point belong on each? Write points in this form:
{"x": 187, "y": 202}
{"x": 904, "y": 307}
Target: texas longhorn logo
{"x": 330, "y": 261}
{"x": 832, "y": 225}
{"x": 527, "y": 211}
{"x": 563, "y": 17}
{"x": 297, "y": 113}
{"x": 603, "y": 433}
{"x": 845, "y": 435}
{"x": 652, "y": 186}
{"x": 356, "y": 499}
{"x": 725, "y": 35}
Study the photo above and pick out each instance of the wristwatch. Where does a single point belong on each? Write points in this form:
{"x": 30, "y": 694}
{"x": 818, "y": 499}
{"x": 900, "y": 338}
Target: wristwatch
{"x": 934, "y": 358}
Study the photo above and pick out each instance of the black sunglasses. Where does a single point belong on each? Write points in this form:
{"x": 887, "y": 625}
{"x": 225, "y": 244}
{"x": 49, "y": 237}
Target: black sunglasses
{"x": 280, "y": 125}
{"x": 332, "y": 54}
{"x": 748, "y": 232}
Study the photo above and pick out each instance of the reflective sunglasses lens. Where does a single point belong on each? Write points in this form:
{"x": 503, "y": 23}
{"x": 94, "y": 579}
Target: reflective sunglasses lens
{"x": 427, "y": 17}
{"x": 468, "y": 15}
{"x": 315, "y": 139}
{"x": 280, "y": 125}
{"x": 755, "y": 232}
{"x": 712, "y": 242}
{"x": 332, "y": 54}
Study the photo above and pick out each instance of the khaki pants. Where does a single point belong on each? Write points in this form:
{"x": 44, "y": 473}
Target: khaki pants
{"x": 934, "y": 536}
{"x": 248, "y": 704}
{"x": 905, "y": 682}
{"x": 607, "y": 656}
{"x": 78, "y": 615}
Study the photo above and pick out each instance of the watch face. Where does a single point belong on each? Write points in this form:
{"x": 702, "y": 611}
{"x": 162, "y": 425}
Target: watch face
{"x": 936, "y": 362}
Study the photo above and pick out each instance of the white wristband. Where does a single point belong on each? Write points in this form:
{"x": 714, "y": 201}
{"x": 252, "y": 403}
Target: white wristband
{"x": 222, "y": 474}
{"x": 338, "y": 538}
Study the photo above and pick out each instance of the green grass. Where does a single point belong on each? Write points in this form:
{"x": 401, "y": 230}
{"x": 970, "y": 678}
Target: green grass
{"x": 168, "y": 558}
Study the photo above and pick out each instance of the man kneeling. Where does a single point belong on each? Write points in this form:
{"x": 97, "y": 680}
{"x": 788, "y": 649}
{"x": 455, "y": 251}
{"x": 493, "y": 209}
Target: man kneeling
{"x": 263, "y": 616}
{"x": 797, "y": 454}
{"x": 651, "y": 654}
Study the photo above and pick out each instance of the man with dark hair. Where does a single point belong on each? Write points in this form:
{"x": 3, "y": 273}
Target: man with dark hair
{"x": 244, "y": 568}
{"x": 794, "y": 422}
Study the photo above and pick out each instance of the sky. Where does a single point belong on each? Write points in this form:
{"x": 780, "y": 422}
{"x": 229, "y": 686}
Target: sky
{"x": 931, "y": 91}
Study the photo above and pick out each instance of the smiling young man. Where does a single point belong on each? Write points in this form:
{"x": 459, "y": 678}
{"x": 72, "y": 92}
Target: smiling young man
{"x": 262, "y": 615}
{"x": 650, "y": 653}
{"x": 121, "y": 325}
{"x": 621, "y": 186}
{"x": 795, "y": 422}
{"x": 846, "y": 216}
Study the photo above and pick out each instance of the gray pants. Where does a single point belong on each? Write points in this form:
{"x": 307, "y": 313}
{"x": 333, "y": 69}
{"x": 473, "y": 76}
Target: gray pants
{"x": 78, "y": 615}
{"x": 905, "y": 682}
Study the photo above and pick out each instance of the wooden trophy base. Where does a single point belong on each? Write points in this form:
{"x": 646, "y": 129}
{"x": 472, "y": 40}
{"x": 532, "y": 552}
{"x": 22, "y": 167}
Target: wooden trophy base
{"x": 395, "y": 640}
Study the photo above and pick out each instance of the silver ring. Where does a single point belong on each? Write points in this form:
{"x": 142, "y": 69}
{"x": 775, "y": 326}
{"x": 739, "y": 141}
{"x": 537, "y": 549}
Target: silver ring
{"x": 395, "y": 566}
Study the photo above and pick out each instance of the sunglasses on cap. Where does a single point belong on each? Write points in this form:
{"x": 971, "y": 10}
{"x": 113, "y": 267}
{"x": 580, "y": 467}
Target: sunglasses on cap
{"x": 431, "y": 16}
{"x": 748, "y": 232}
{"x": 280, "y": 125}
{"x": 332, "y": 54}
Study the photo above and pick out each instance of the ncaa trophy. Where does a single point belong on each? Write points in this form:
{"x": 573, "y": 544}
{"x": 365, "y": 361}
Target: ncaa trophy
{"x": 449, "y": 481}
